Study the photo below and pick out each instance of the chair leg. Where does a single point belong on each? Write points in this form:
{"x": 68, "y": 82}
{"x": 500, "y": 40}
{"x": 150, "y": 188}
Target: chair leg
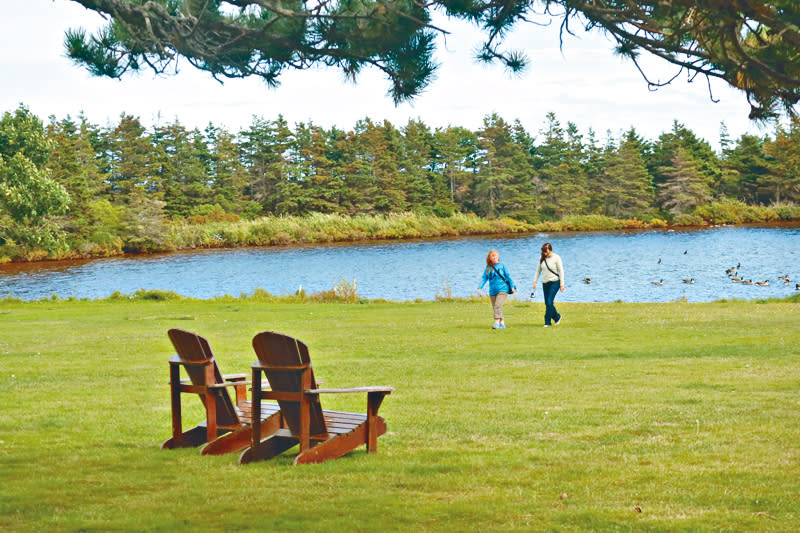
{"x": 267, "y": 449}
{"x": 374, "y": 400}
{"x": 340, "y": 445}
{"x": 175, "y": 401}
{"x": 188, "y": 439}
{"x": 239, "y": 439}
{"x": 211, "y": 405}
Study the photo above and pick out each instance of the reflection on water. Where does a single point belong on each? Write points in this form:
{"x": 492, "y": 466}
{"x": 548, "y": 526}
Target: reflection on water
{"x": 621, "y": 266}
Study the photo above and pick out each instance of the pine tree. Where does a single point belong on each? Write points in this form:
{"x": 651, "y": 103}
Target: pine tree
{"x": 680, "y": 137}
{"x": 751, "y": 45}
{"x": 559, "y": 162}
{"x": 426, "y": 188}
{"x": 747, "y": 163}
{"x": 181, "y": 162}
{"x": 455, "y": 153}
{"x": 356, "y": 168}
{"x": 626, "y": 184}
{"x": 264, "y": 146}
{"x": 783, "y": 162}
{"x": 227, "y": 174}
{"x": 129, "y": 159}
{"x": 684, "y": 187}
{"x": 503, "y": 182}
{"x": 74, "y": 164}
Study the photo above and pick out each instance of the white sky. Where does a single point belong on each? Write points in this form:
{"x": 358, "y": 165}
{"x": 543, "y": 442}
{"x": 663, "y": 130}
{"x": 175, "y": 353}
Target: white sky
{"x": 585, "y": 84}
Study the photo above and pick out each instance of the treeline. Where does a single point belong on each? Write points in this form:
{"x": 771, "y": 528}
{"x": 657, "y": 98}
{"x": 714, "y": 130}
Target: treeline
{"x": 72, "y": 188}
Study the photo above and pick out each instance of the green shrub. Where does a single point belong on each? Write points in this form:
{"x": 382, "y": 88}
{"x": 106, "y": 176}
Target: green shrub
{"x": 203, "y": 214}
{"x": 788, "y": 211}
{"x": 688, "y": 219}
{"x": 157, "y": 295}
{"x": 281, "y": 238}
{"x": 725, "y": 211}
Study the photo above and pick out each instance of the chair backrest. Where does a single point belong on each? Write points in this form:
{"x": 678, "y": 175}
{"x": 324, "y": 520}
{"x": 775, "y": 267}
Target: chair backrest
{"x": 192, "y": 347}
{"x": 275, "y": 352}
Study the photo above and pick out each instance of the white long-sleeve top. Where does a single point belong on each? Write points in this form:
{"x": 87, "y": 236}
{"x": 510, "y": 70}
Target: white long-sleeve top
{"x": 554, "y": 262}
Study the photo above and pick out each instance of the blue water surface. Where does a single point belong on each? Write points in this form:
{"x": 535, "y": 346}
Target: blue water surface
{"x": 620, "y": 265}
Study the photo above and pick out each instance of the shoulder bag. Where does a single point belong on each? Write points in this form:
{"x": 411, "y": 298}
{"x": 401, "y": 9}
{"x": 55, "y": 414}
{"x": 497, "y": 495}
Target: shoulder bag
{"x": 551, "y": 270}
{"x": 503, "y": 278}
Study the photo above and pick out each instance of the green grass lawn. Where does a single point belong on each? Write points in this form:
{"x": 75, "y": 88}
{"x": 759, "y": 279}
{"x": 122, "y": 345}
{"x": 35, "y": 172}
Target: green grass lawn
{"x": 675, "y": 416}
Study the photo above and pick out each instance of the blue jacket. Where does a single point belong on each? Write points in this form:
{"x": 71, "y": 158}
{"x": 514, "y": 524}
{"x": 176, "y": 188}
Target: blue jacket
{"x": 496, "y": 283}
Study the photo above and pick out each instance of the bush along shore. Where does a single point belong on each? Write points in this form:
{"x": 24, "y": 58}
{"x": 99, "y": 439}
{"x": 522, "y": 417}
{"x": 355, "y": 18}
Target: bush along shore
{"x": 166, "y": 236}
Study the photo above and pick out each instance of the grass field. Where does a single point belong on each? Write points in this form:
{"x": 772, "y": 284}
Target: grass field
{"x": 676, "y": 416}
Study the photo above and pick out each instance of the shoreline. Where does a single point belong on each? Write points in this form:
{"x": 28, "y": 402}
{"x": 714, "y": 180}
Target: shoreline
{"x": 25, "y": 265}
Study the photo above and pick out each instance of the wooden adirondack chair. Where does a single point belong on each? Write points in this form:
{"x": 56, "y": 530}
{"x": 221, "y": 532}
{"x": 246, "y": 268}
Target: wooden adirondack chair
{"x": 321, "y": 434}
{"x": 227, "y": 425}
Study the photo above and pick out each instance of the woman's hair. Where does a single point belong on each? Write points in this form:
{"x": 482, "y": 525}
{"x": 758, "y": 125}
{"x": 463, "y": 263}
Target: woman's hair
{"x": 489, "y": 256}
{"x": 546, "y": 247}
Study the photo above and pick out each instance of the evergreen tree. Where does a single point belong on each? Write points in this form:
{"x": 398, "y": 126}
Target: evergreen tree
{"x": 685, "y": 187}
{"x": 298, "y": 192}
{"x": 357, "y": 149}
{"x": 596, "y": 161}
{"x": 626, "y": 184}
{"x": 751, "y": 44}
{"x": 559, "y": 161}
{"x": 680, "y": 137}
{"x": 129, "y": 160}
{"x": 727, "y": 186}
{"x": 503, "y": 181}
{"x": 747, "y": 162}
{"x": 385, "y": 144}
{"x": 783, "y": 179}
{"x": 264, "y": 146}
{"x": 455, "y": 153}
{"x": 426, "y": 188}
{"x": 181, "y": 162}
{"x": 227, "y": 174}
{"x": 74, "y": 164}
{"x": 325, "y": 152}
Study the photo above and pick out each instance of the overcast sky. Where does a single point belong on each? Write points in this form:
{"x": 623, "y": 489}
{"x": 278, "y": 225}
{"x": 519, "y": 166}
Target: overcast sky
{"x": 583, "y": 83}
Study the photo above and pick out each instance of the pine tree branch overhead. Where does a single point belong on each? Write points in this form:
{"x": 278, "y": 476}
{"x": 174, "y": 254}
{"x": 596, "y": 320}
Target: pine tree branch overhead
{"x": 750, "y": 44}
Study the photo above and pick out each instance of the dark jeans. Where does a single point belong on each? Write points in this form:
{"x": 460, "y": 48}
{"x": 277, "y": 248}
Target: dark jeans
{"x": 550, "y": 290}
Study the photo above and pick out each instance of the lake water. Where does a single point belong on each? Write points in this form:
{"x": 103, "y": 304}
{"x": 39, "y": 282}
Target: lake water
{"x": 621, "y": 266}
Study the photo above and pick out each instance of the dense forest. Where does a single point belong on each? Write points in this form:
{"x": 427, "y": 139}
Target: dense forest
{"x": 70, "y": 188}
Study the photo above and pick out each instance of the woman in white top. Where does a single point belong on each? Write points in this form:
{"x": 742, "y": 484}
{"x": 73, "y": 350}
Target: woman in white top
{"x": 552, "y": 270}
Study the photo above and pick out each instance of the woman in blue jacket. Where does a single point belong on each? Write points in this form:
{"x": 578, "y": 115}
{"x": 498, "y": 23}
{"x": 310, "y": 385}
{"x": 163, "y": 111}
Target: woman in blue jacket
{"x": 500, "y": 286}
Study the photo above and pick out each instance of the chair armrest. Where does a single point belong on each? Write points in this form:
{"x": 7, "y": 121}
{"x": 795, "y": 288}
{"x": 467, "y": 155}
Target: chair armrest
{"x": 387, "y": 390}
{"x": 235, "y": 377}
{"x": 177, "y": 360}
{"x": 237, "y": 383}
{"x": 297, "y": 368}
{"x": 228, "y": 384}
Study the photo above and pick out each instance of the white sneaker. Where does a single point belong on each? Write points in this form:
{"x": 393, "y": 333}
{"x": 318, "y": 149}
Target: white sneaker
{"x": 558, "y": 321}
{"x": 547, "y": 325}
